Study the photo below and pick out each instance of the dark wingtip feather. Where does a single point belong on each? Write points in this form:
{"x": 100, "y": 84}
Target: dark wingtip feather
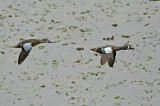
{"x": 19, "y": 61}
{"x": 22, "y": 56}
{"x": 110, "y": 65}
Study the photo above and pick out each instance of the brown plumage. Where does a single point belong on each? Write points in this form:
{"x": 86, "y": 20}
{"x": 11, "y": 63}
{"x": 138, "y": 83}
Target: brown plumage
{"x": 110, "y": 58}
{"x": 33, "y": 41}
{"x": 22, "y": 56}
{"x": 109, "y": 53}
{"x": 25, "y": 51}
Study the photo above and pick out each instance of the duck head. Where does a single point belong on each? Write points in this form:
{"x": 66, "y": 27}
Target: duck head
{"x": 98, "y": 50}
{"x": 129, "y": 46}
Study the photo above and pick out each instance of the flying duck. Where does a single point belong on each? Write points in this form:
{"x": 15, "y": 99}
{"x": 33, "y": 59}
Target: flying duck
{"x": 26, "y": 46}
{"x": 109, "y": 53}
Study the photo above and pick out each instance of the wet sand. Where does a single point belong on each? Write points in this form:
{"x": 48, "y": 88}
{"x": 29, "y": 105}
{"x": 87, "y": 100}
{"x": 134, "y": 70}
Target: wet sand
{"x": 58, "y": 74}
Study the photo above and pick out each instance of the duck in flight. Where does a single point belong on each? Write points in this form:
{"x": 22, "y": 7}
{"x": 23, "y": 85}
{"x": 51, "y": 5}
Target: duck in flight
{"x": 26, "y": 46}
{"x": 109, "y": 53}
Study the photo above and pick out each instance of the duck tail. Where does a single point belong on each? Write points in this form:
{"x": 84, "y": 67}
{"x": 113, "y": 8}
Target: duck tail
{"x": 13, "y": 46}
{"x": 16, "y": 46}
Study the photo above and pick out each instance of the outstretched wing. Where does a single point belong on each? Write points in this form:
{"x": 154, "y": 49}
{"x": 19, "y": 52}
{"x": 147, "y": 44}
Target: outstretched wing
{"x": 22, "y": 56}
{"x": 109, "y": 57}
{"x": 103, "y": 59}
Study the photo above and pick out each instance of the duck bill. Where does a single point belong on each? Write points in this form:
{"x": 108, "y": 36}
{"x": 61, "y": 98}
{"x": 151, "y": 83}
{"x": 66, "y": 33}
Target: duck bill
{"x": 50, "y": 42}
{"x": 131, "y": 48}
{"x": 94, "y": 49}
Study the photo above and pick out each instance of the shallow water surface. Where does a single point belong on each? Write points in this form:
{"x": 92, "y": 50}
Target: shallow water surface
{"x": 59, "y": 74}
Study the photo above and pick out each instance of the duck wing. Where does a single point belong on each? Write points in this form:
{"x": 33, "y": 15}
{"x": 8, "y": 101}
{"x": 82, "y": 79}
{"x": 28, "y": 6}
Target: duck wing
{"x": 109, "y": 57}
{"x": 22, "y": 56}
{"x": 103, "y": 59}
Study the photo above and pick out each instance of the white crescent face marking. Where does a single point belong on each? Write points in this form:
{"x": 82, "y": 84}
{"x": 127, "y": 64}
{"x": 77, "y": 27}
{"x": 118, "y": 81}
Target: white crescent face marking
{"x": 27, "y": 46}
{"x": 108, "y": 50}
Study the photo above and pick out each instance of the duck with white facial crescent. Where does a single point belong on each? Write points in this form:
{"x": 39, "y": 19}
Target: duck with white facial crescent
{"x": 26, "y": 47}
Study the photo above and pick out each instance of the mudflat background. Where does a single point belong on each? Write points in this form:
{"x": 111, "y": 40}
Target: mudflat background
{"x": 58, "y": 74}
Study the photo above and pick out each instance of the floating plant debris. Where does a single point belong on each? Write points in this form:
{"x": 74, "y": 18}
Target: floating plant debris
{"x": 41, "y": 47}
{"x": 43, "y": 86}
{"x": 80, "y": 48}
{"x": 32, "y": 35}
{"x": 150, "y": 57}
{"x": 117, "y": 97}
{"x": 114, "y": 25}
{"x": 2, "y": 52}
{"x": 146, "y": 24}
{"x": 125, "y": 36}
{"x": 109, "y": 38}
